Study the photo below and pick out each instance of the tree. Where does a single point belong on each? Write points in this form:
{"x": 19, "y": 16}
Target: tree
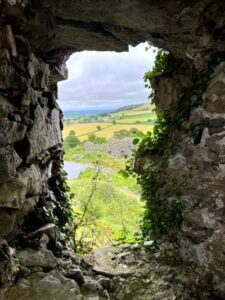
{"x": 71, "y": 140}
{"x": 99, "y": 127}
{"x": 96, "y": 139}
{"x": 91, "y": 137}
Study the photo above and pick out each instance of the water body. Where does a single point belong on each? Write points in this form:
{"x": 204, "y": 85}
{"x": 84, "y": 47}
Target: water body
{"x": 73, "y": 169}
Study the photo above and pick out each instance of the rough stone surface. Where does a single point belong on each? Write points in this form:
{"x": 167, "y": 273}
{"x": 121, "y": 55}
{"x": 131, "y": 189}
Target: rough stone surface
{"x": 144, "y": 276}
{"x": 42, "y": 258}
{"x": 187, "y": 28}
{"x": 44, "y": 286}
{"x": 46, "y": 33}
{"x": 200, "y": 166}
{"x": 116, "y": 147}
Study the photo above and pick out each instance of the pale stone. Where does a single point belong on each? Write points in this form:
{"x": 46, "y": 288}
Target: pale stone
{"x": 42, "y": 258}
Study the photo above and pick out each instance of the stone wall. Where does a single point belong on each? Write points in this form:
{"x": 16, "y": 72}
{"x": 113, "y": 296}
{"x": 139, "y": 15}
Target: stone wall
{"x": 116, "y": 147}
{"x": 30, "y": 136}
{"x": 194, "y": 106}
{"x": 31, "y": 187}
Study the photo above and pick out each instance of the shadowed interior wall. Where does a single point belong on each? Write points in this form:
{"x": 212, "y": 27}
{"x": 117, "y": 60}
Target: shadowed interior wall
{"x": 31, "y": 149}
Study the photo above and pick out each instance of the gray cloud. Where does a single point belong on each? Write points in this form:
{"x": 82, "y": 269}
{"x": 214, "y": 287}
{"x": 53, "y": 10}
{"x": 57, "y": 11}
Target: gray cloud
{"x": 106, "y": 79}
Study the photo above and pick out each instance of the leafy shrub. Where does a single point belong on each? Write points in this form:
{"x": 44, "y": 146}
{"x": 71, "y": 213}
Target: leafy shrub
{"x": 163, "y": 215}
{"x": 97, "y": 139}
{"x": 123, "y": 133}
{"x": 71, "y": 140}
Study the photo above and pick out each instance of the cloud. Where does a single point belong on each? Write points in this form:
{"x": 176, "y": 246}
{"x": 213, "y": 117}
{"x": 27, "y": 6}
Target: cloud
{"x": 106, "y": 79}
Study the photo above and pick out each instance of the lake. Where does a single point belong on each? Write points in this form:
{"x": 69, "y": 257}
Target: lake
{"x": 74, "y": 168}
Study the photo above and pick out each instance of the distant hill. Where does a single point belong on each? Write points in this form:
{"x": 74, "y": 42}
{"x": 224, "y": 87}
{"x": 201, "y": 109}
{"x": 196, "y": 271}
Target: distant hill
{"x": 134, "y": 107}
{"x": 140, "y": 117}
{"x": 128, "y": 107}
{"x": 96, "y": 111}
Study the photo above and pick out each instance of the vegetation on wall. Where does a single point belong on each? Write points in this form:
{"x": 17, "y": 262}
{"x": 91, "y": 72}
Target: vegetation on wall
{"x": 63, "y": 215}
{"x": 161, "y": 192}
{"x": 160, "y": 66}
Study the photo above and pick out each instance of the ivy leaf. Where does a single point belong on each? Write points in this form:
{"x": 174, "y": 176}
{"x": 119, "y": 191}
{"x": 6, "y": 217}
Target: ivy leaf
{"x": 141, "y": 135}
{"x": 72, "y": 195}
{"x": 124, "y": 173}
{"x": 136, "y": 141}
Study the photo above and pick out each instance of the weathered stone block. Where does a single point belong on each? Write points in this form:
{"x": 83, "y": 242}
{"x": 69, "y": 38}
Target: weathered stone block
{"x": 11, "y": 132}
{"x": 14, "y": 192}
{"x": 58, "y": 73}
{"x": 9, "y": 161}
{"x": 44, "y": 286}
{"x": 39, "y": 72}
{"x": 42, "y": 258}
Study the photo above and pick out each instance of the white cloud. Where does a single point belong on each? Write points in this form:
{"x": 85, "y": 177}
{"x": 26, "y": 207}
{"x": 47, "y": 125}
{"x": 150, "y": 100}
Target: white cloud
{"x": 106, "y": 79}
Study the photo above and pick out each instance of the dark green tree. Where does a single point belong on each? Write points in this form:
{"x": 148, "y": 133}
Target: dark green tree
{"x": 71, "y": 140}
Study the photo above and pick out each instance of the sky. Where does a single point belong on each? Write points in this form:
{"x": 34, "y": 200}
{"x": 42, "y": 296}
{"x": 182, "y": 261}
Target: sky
{"x": 106, "y": 80}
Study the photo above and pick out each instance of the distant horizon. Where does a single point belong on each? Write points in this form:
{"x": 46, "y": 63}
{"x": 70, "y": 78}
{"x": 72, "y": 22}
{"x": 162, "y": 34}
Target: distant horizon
{"x": 106, "y": 80}
{"x": 88, "y": 110}
{"x": 98, "y": 109}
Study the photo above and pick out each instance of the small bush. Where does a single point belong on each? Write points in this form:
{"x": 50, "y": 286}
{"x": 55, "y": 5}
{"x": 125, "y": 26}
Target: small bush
{"x": 97, "y": 139}
{"x": 71, "y": 140}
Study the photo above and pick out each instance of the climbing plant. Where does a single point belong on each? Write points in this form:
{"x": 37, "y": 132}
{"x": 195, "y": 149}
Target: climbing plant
{"x": 63, "y": 215}
{"x": 160, "y": 65}
{"x": 160, "y": 191}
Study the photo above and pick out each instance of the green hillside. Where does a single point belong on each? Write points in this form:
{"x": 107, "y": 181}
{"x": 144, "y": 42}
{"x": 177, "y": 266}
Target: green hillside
{"x": 136, "y": 114}
{"x": 108, "y": 206}
{"x": 141, "y": 117}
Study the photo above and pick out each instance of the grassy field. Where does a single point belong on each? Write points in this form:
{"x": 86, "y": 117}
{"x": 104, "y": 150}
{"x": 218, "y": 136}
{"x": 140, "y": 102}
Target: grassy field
{"x": 141, "y": 118}
{"x": 107, "y": 129}
{"x": 96, "y": 157}
{"x": 108, "y": 206}
{"x": 113, "y": 213}
{"x": 142, "y": 109}
{"x": 134, "y": 118}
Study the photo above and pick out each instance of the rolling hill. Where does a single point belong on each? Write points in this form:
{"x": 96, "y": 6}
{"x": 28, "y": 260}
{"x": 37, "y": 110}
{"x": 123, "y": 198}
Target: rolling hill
{"x": 141, "y": 117}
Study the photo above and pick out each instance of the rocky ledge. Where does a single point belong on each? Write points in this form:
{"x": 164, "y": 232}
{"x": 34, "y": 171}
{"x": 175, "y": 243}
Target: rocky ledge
{"x": 117, "y": 273}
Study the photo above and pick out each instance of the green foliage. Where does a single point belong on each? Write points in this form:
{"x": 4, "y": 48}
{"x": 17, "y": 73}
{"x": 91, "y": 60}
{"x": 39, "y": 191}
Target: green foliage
{"x": 97, "y": 157}
{"x": 160, "y": 191}
{"x": 63, "y": 215}
{"x": 99, "y": 127}
{"x": 92, "y": 137}
{"x": 123, "y": 133}
{"x": 112, "y": 213}
{"x": 160, "y": 66}
{"x": 97, "y": 139}
{"x": 161, "y": 216}
{"x": 71, "y": 140}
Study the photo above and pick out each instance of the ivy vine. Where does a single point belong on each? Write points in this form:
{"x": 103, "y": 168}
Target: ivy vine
{"x": 160, "y": 191}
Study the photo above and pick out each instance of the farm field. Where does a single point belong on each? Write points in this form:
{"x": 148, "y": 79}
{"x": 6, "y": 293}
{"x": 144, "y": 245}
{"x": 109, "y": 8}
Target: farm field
{"x": 141, "y": 117}
{"x": 143, "y": 109}
{"x": 135, "y": 118}
{"x": 82, "y": 130}
{"x": 107, "y": 205}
